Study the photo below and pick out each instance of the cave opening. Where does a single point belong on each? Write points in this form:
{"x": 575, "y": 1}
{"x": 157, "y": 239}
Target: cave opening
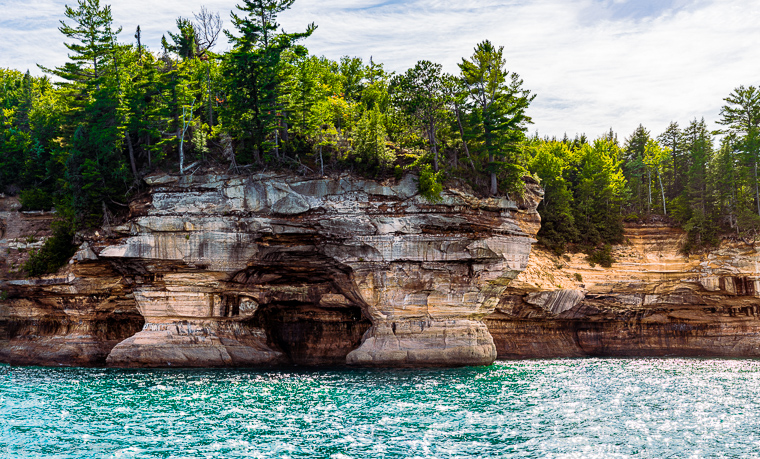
{"x": 312, "y": 335}
{"x": 307, "y": 305}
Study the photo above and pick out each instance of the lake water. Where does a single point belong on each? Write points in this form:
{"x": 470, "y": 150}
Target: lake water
{"x": 541, "y": 408}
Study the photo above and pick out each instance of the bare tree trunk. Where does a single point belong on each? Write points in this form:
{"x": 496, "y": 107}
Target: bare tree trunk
{"x": 464, "y": 142}
{"x": 757, "y": 192}
{"x": 181, "y": 135}
{"x": 431, "y": 134}
{"x": 150, "y": 162}
{"x": 494, "y": 186}
{"x": 321, "y": 162}
{"x": 284, "y": 136}
{"x": 662, "y": 192}
{"x": 210, "y": 98}
{"x": 649, "y": 188}
{"x": 276, "y": 143}
{"x": 131, "y": 155}
{"x": 181, "y": 138}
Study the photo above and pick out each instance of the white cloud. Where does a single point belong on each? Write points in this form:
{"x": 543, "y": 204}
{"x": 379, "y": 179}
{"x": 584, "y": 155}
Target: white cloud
{"x": 594, "y": 64}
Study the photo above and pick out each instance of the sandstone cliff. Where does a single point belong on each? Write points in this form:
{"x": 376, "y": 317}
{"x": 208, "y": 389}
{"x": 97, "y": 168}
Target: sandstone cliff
{"x": 216, "y": 270}
{"x": 654, "y": 301}
{"x": 219, "y": 270}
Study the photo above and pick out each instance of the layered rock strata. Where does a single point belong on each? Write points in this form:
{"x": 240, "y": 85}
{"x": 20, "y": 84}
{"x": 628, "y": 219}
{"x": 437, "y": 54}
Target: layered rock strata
{"x": 267, "y": 270}
{"x": 654, "y": 301}
{"x": 74, "y": 317}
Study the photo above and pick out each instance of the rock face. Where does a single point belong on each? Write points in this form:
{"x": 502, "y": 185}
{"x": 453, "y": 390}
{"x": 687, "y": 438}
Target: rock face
{"x": 72, "y": 318}
{"x": 217, "y": 270}
{"x": 653, "y": 301}
{"x": 268, "y": 270}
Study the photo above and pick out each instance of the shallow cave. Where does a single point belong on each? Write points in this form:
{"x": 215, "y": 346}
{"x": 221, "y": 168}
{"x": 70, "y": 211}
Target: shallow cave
{"x": 293, "y": 283}
{"x": 310, "y": 334}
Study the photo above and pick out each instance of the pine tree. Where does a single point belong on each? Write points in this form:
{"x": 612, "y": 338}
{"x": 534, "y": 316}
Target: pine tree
{"x": 419, "y": 94}
{"x": 252, "y": 70}
{"x": 701, "y": 225}
{"x": 676, "y": 170}
{"x": 97, "y": 172}
{"x": 636, "y": 172}
{"x": 92, "y": 55}
{"x": 550, "y": 163}
{"x": 500, "y": 102}
{"x": 742, "y": 116}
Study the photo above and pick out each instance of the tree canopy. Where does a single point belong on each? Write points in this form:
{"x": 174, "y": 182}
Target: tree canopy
{"x": 116, "y": 111}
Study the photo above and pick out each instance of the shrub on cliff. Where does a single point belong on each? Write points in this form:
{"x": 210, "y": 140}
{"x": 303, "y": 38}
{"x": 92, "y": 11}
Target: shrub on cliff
{"x": 54, "y": 253}
{"x": 600, "y": 256}
{"x": 430, "y": 183}
{"x": 35, "y": 199}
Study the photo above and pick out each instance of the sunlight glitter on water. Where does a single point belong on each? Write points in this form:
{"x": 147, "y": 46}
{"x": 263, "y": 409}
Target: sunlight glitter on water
{"x": 540, "y": 408}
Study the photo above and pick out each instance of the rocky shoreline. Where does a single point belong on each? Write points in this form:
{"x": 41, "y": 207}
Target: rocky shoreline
{"x": 227, "y": 271}
{"x": 215, "y": 270}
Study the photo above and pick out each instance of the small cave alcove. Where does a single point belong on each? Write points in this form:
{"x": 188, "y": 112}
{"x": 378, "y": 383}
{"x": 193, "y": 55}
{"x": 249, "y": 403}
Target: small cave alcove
{"x": 306, "y": 305}
{"x": 312, "y": 335}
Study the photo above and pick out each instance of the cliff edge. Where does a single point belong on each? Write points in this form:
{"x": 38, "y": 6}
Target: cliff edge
{"x": 653, "y": 301}
{"x": 219, "y": 270}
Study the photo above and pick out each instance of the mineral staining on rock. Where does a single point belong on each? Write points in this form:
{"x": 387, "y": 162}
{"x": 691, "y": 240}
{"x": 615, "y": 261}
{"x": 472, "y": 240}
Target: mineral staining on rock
{"x": 227, "y": 271}
{"x": 654, "y": 301}
{"x": 267, "y": 270}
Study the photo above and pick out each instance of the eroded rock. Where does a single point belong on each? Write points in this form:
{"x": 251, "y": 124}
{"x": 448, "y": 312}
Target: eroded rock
{"x": 269, "y": 270}
{"x": 653, "y": 301}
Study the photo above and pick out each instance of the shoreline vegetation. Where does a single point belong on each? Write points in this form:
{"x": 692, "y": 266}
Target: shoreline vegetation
{"x": 81, "y": 142}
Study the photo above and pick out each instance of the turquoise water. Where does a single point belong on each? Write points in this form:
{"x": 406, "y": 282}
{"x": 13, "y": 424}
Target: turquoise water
{"x": 542, "y": 408}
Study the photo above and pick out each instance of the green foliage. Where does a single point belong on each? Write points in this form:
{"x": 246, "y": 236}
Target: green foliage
{"x": 35, "y": 199}
{"x": 184, "y": 42}
{"x": 498, "y": 104}
{"x": 370, "y": 149}
{"x": 253, "y": 69}
{"x": 118, "y": 112}
{"x": 637, "y": 175}
{"x": 419, "y": 94}
{"x": 599, "y": 193}
{"x": 430, "y": 183}
{"x": 584, "y": 192}
{"x": 54, "y": 253}
{"x": 600, "y": 256}
{"x": 551, "y": 163}
{"x": 701, "y": 232}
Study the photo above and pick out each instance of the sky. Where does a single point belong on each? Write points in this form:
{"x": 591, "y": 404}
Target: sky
{"x": 592, "y": 64}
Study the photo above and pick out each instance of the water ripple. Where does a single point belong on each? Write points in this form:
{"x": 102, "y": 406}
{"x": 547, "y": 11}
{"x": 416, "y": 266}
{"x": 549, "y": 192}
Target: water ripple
{"x": 587, "y": 408}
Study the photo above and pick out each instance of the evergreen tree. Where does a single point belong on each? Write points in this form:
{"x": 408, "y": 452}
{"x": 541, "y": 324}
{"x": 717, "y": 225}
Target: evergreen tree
{"x": 92, "y": 58}
{"x": 599, "y": 193}
{"x": 550, "y": 163}
{"x": 742, "y": 116}
{"x": 369, "y": 142}
{"x": 252, "y": 70}
{"x": 419, "y": 94}
{"x": 636, "y": 171}
{"x": 676, "y": 169}
{"x": 96, "y": 170}
{"x": 701, "y": 225}
{"x": 500, "y": 102}
{"x": 655, "y": 158}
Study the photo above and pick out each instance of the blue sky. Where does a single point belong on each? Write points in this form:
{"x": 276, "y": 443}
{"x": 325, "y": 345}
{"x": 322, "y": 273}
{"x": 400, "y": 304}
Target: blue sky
{"x": 593, "y": 64}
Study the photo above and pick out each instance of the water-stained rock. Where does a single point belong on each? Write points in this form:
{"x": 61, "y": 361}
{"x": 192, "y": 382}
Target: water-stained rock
{"x": 653, "y": 301}
{"x": 270, "y": 269}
